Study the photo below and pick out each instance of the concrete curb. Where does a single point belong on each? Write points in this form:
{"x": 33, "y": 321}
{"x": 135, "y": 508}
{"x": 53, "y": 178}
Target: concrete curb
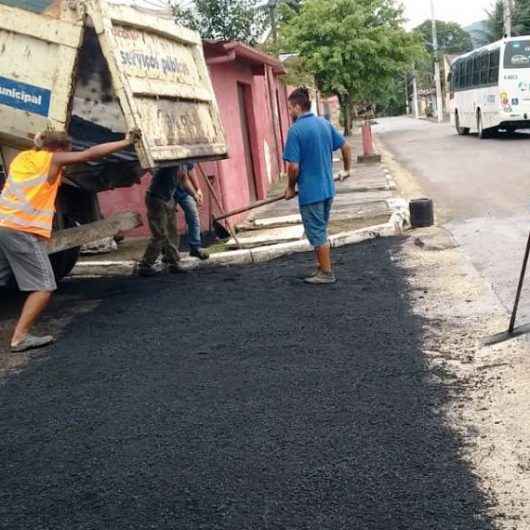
{"x": 397, "y": 224}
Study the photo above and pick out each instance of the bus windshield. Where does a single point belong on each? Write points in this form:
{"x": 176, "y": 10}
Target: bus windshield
{"x": 517, "y": 54}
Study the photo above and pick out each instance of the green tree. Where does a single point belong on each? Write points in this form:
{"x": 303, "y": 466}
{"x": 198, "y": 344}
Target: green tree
{"x": 495, "y": 22}
{"x": 452, "y": 38}
{"x": 242, "y": 20}
{"x": 521, "y": 17}
{"x": 353, "y": 48}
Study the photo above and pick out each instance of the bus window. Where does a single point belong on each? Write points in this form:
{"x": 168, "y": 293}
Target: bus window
{"x": 469, "y": 73}
{"x": 484, "y": 68}
{"x": 517, "y": 54}
{"x": 495, "y": 59}
{"x": 455, "y": 76}
{"x": 476, "y": 70}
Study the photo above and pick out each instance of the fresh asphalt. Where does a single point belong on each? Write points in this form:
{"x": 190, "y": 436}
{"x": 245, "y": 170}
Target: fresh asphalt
{"x": 237, "y": 399}
{"x": 481, "y": 190}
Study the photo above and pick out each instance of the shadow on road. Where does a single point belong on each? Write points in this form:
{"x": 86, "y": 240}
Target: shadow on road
{"x": 238, "y": 399}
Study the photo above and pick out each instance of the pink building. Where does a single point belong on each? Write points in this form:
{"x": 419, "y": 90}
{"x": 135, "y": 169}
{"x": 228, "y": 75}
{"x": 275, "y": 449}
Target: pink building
{"x": 253, "y": 105}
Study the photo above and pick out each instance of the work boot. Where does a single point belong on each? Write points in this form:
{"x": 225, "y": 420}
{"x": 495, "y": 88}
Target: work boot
{"x": 320, "y": 278}
{"x": 198, "y": 252}
{"x": 30, "y": 342}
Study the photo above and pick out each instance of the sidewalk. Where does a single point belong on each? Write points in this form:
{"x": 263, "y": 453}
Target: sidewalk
{"x": 363, "y": 209}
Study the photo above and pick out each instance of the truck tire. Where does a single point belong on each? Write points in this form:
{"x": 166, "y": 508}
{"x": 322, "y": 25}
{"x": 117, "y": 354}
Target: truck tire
{"x": 63, "y": 262}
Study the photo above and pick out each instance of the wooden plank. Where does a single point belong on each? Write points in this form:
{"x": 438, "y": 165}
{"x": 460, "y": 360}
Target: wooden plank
{"x": 161, "y": 154}
{"x": 126, "y": 16}
{"x": 81, "y": 235}
{"x": 39, "y": 27}
{"x": 149, "y": 63}
{"x": 156, "y": 88}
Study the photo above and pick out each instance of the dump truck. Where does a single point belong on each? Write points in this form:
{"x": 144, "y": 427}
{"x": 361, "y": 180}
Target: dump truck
{"x": 97, "y": 69}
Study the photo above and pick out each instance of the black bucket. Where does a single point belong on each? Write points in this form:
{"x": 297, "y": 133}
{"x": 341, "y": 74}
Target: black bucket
{"x": 421, "y": 213}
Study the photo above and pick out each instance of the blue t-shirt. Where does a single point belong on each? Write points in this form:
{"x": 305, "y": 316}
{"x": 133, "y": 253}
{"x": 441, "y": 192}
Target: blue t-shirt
{"x": 310, "y": 144}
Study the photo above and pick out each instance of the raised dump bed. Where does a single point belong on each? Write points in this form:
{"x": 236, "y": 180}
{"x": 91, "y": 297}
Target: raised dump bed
{"x": 97, "y": 70}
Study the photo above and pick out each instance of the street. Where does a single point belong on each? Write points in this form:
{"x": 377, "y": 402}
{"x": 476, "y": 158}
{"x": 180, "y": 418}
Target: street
{"x": 481, "y": 190}
{"x": 242, "y": 398}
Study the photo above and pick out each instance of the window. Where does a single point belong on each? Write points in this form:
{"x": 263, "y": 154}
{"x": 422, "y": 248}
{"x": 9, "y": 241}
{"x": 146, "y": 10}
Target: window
{"x": 476, "y": 70}
{"x": 517, "y": 54}
{"x": 469, "y": 72}
{"x": 495, "y": 59}
{"x": 455, "y": 76}
{"x": 484, "y": 68}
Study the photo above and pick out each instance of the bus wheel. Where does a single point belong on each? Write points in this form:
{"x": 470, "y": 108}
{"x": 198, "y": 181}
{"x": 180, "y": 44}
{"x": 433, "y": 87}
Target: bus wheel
{"x": 462, "y": 131}
{"x": 482, "y": 133}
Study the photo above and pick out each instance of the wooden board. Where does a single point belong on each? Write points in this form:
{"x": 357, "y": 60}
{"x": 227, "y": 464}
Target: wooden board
{"x": 160, "y": 77}
{"x": 84, "y": 234}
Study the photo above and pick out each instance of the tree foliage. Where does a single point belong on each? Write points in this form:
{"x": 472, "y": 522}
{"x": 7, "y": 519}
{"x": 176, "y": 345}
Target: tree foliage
{"x": 353, "y": 48}
{"x": 242, "y": 20}
{"x": 452, "y": 38}
{"x": 520, "y": 20}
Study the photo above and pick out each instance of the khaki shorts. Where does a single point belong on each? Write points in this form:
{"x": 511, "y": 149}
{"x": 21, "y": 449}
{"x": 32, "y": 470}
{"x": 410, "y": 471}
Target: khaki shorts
{"x": 24, "y": 256}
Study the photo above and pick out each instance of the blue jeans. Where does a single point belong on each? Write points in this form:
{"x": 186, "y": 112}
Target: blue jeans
{"x": 191, "y": 213}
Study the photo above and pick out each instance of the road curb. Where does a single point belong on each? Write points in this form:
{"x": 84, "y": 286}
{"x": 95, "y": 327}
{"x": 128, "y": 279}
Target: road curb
{"x": 396, "y": 225}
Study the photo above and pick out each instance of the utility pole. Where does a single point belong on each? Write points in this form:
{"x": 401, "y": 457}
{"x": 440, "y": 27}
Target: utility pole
{"x": 407, "y": 100}
{"x": 508, "y": 13}
{"x": 437, "y": 77}
{"x": 415, "y": 95}
{"x": 274, "y": 28}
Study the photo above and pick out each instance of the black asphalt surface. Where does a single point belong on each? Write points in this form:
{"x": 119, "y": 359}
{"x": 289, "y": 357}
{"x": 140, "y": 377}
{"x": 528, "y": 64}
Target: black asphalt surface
{"x": 237, "y": 399}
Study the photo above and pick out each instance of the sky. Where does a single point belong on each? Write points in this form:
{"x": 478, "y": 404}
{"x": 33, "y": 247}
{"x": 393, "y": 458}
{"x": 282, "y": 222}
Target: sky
{"x": 464, "y": 12}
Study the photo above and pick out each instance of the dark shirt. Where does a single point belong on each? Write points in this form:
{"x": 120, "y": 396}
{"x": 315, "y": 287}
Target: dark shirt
{"x": 166, "y": 180}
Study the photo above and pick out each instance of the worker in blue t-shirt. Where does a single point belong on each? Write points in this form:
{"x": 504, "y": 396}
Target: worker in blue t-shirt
{"x": 309, "y": 156}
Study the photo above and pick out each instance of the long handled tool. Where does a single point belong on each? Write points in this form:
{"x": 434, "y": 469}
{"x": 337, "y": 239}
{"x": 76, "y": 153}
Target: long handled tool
{"x": 258, "y": 204}
{"x": 512, "y": 330}
{"x": 220, "y": 230}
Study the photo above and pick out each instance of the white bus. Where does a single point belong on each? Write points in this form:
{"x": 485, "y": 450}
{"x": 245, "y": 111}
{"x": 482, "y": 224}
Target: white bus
{"x": 490, "y": 88}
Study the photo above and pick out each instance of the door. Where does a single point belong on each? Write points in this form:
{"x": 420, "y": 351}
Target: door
{"x": 244, "y": 95}
{"x": 160, "y": 78}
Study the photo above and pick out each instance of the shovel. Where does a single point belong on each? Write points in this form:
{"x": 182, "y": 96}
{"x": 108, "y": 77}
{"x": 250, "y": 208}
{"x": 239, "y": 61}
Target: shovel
{"x": 258, "y": 204}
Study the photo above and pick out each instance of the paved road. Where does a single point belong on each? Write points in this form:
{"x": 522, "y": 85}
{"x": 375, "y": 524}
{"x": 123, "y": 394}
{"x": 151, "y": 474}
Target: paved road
{"x": 481, "y": 189}
{"x": 237, "y": 399}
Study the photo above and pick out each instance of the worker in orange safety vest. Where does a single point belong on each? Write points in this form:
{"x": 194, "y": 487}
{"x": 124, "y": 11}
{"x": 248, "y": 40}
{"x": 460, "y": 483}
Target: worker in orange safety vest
{"x": 27, "y": 208}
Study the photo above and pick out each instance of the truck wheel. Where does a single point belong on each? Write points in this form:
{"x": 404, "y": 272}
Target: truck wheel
{"x": 63, "y": 262}
{"x": 462, "y": 131}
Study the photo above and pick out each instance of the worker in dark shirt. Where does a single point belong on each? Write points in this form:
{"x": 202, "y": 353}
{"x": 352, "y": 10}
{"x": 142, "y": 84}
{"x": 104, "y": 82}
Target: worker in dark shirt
{"x": 162, "y": 219}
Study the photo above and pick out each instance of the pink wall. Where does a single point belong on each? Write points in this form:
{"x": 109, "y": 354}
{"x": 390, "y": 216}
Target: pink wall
{"x": 231, "y": 177}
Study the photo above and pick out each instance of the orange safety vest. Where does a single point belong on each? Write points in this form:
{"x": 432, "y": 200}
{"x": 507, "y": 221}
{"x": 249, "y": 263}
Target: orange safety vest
{"x": 27, "y": 202}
